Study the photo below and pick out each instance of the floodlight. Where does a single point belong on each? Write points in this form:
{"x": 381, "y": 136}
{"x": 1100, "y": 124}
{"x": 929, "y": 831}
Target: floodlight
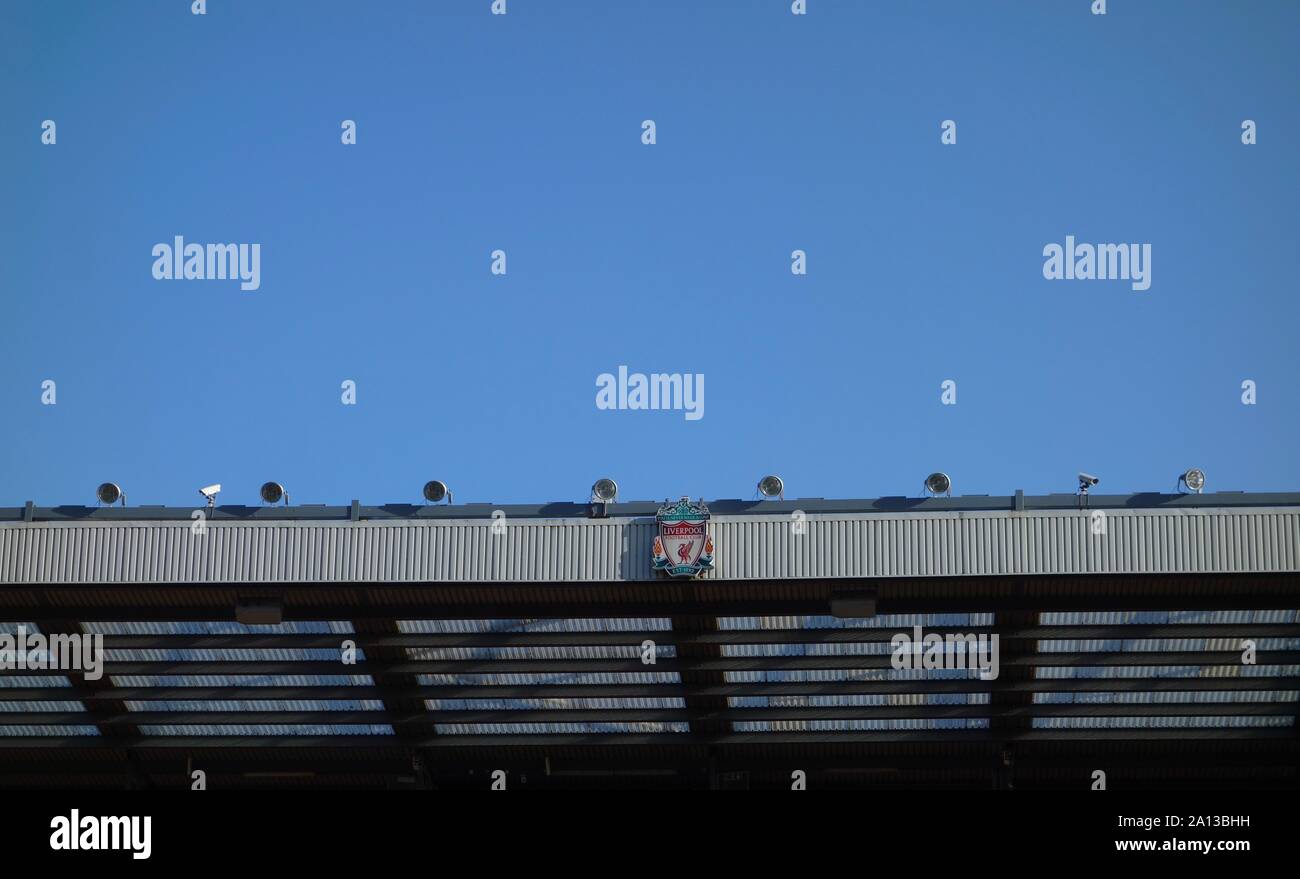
{"x": 1194, "y": 479}
{"x": 938, "y": 483}
{"x": 771, "y": 486}
{"x": 273, "y": 491}
{"x": 604, "y": 491}
{"x": 108, "y": 494}
{"x": 435, "y": 490}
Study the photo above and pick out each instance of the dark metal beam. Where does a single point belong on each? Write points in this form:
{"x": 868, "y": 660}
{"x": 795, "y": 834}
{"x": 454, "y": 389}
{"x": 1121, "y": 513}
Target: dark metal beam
{"x": 1199, "y": 754}
{"x": 386, "y": 665}
{"x": 573, "y": 691}
{"x": 1007, "y": 702}
{"x": 683, "y": 664}
{"x": 732, "y": 636}
{"x": 663, "y": 715}
{"x": 583, "y": 599}
{"x": 955, "y": 737}
{"x": 696, "y": 666}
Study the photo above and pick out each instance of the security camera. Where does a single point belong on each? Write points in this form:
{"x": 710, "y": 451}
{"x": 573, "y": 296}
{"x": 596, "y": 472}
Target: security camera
{"x": 210, "y": 491}
{"x": 1086, "y": 480}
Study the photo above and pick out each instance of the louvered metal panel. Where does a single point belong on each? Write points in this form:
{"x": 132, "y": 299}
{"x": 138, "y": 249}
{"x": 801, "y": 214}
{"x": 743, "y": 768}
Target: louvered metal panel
{"x": 748, "y": 547}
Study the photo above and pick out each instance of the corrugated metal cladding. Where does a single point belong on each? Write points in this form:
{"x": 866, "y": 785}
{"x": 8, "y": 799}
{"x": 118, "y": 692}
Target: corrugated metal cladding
{"x": 947, "y": 544}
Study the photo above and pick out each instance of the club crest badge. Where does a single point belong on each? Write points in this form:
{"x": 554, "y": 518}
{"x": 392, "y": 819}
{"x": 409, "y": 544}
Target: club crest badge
{"x": 683, "y": 546}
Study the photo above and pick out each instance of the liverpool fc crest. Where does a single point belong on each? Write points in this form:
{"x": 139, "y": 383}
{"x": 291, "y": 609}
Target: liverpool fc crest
{"x": 683, "y": 546}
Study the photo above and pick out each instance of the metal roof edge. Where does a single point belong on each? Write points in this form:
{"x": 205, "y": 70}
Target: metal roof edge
{"x": 641, "y": 509}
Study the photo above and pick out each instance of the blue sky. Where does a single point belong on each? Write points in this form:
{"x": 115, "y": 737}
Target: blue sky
{"x": 523, "y": 132}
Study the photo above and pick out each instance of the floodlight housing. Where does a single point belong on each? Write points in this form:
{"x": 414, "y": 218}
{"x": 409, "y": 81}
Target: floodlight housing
{"x": 435, "y": 490}
{"x": 1194, "y": 479}
{"x": 938, "y": 483}
{"x": 272, "y": 492}
{"x": 109, "y": 493}
{"x": 771, "y": 486}
{"x": 604, "y": 491}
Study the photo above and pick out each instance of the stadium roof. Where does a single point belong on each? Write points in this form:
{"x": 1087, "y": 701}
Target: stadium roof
{"x": 889, "y": 537}
{"x": 1119, "y": 651}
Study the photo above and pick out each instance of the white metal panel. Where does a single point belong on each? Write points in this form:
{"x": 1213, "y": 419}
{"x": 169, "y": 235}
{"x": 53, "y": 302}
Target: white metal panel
{"x": 747, "y": 547}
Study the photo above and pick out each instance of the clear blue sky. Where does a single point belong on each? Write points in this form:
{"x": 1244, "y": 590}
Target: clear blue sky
{"x": 522, "y": 132}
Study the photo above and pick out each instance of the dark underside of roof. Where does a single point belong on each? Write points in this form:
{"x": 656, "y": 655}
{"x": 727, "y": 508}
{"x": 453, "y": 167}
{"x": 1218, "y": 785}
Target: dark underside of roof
{"x": 1139, "y": 677}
